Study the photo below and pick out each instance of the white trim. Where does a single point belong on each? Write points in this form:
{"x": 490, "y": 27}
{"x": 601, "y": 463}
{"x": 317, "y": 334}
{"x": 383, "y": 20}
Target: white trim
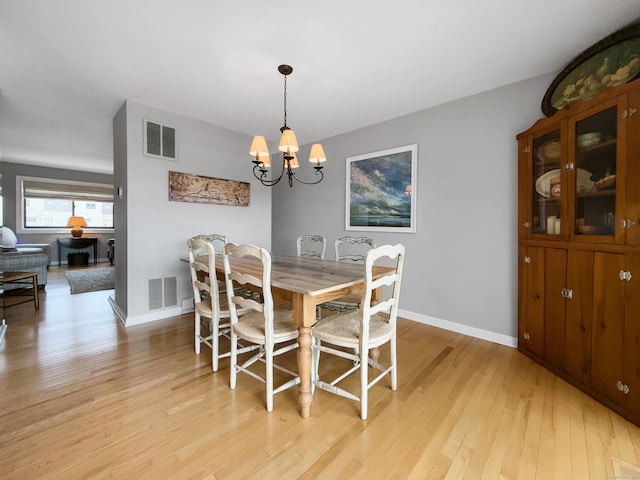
{"x": 153, "y": 316}
{"x": 459, "y": 328}
{"x": 117, "y": 311}
{"x": 3, "y": 329}
{"x": 20, "y": 228}
{"x": 140, "y": 319}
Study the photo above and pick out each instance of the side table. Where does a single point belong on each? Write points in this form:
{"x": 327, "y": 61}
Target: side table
{"x": 77, "y": 243}
{"x": 28, "y": 281}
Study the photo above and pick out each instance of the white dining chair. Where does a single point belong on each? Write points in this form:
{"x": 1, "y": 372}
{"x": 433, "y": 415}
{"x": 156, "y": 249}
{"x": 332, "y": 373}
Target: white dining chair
{"x": 364, "y": 330}
{"x": 218, "y": 241}
{"x": 208, "y": 304}
{"x": 351, "y": 250}
{"x": 264, "y": 325}
{"x": 312, "y": 246}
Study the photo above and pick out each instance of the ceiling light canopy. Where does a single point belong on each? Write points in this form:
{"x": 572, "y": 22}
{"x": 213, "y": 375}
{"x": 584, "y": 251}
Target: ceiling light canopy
{"x": 288, "y": 146}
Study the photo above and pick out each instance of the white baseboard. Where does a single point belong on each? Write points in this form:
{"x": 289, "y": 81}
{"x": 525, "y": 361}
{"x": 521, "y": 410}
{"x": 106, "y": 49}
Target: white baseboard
{"x": 3, "y": 329}
{"x": 187, "y": 305}
{"x": 488, "y": 335}
{"x": 117, "y": 311}
{"x": 128, "y": 321}
{"x": 153, "y": 316}
{"x": 459, "y": 328}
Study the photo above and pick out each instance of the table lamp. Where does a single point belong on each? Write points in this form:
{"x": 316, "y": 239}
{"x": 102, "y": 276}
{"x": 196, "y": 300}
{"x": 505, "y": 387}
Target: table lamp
{"x": 77, "y": 223}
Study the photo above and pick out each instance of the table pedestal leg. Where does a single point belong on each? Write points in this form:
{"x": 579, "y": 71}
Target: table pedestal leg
{"x": 304, "y": 370}
{"x": 374, "y": 354}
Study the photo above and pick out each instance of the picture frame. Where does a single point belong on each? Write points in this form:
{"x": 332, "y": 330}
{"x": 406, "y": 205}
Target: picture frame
{"x": 381, "y": 190}
{"x": 613, "y": 61}
{"x": 185, "y": 187}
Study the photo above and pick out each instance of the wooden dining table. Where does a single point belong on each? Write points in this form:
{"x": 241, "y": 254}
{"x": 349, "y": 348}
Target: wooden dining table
{"x": 306, "y": 283}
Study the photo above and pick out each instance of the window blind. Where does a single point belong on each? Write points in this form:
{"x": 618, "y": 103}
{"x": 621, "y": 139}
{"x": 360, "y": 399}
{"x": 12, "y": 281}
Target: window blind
{"x": 88, "y": 192}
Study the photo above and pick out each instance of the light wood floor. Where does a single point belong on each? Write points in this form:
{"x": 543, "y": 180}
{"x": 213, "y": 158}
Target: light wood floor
{"x": 83, "y": 397}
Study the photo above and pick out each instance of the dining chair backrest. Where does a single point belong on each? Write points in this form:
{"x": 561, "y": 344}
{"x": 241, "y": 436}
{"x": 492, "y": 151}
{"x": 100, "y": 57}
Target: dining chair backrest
{"x": 312, "y": 246}
{"x": 202, "y": 261}
{"x": 271, "y": 330}
{"x": 259, "y": 280}
{"x": 353, "y": 249}
{"x": 216, "y": 239}
{"x": 389, "y": 302}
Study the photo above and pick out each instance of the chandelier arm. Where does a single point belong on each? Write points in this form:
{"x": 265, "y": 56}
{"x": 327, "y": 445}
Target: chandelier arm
{"x": 290, "y": 175}
{"x": 263, "y": 173}
{"x": 317, "y": 172}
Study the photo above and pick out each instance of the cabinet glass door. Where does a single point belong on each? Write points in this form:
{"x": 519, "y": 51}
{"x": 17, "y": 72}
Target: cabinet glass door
{"x": 546, "y": 186}
{"x": 595, "y": 174}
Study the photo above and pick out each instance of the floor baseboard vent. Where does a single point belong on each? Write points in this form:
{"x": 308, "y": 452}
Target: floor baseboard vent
{"x": 162, "y": 292}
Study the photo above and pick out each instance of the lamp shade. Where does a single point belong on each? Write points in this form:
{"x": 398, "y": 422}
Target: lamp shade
{"x": 258, "y": 146}
{"x": 76, "y": 222}
{"x": 288, "y": 141}
{"x": 317, "y": 154}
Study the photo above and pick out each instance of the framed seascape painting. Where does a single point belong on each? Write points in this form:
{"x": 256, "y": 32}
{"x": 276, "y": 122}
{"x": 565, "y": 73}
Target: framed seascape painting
{"x": 382, "y": 191}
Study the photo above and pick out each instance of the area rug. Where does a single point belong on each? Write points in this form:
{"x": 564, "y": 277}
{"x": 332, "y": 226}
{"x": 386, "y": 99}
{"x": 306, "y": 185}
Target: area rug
{"x": 91, "y": 279}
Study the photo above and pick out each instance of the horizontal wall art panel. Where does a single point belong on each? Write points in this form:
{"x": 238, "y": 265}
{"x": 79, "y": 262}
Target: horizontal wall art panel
{"x": 185, "y": 187}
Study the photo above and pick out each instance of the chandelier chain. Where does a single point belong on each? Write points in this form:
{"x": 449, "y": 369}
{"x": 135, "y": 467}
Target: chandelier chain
{"x": 285, "y": 102}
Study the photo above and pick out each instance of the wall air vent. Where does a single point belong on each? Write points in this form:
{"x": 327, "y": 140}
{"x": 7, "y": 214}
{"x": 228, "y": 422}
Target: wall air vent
{"x": 162, "y": 293}
{"x": 160, "y": 141}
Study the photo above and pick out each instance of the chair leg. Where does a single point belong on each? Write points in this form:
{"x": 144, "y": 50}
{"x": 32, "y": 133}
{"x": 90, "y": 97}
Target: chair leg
{"x": 233, "y": 360}
{"x": 315, "y": 364}
{"x": 197, "y": 335}
{"x": 394, "y": 365}
{"x": 364, "y": 380}
{"x": 215, "y": 330}
{"x": 269, "y": 376}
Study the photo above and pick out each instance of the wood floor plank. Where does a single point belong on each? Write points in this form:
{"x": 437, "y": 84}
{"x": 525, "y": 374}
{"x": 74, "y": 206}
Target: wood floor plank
{"x": 85, "y": 397}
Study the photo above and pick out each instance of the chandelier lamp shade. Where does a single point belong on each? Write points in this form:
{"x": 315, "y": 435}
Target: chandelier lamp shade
{"x": 288, "y": 145}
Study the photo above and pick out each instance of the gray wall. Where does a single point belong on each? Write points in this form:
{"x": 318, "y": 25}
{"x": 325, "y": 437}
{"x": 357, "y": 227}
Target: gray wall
{"x": 9, "y": 172}
{"x": 461, "y": 270}
{"x": 120, "y": 207}
{"x": 157, "y": 229}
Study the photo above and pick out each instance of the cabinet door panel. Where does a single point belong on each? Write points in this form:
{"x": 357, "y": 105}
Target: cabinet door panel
{"x": 554, "y": 306}
{"x": 594, "y": 142}
{"x": 632, "y": 335}
{"x": 546, "y": 183}
{"x": 531, "y": 300}
{"x": 608, "y": 325}
{"x": 578, "y": 315}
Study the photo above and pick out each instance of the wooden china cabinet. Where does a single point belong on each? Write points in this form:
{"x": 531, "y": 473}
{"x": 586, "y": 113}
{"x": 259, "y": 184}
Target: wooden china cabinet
{"x": 579, "y": 246}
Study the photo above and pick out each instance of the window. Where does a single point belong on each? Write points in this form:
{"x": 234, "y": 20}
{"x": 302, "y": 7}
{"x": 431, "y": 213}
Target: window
{"x": 48, "y": 204}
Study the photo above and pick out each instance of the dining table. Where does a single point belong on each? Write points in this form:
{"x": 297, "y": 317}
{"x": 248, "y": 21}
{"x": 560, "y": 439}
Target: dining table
{"x": 306, "y": 283}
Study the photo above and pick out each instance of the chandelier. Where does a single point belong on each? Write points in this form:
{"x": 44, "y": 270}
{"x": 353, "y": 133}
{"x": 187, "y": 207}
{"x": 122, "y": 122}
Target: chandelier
{"x": 288, "y": 146}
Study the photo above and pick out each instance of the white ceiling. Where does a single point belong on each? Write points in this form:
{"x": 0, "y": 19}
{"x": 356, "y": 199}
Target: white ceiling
{"x": 66, "y": 66}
